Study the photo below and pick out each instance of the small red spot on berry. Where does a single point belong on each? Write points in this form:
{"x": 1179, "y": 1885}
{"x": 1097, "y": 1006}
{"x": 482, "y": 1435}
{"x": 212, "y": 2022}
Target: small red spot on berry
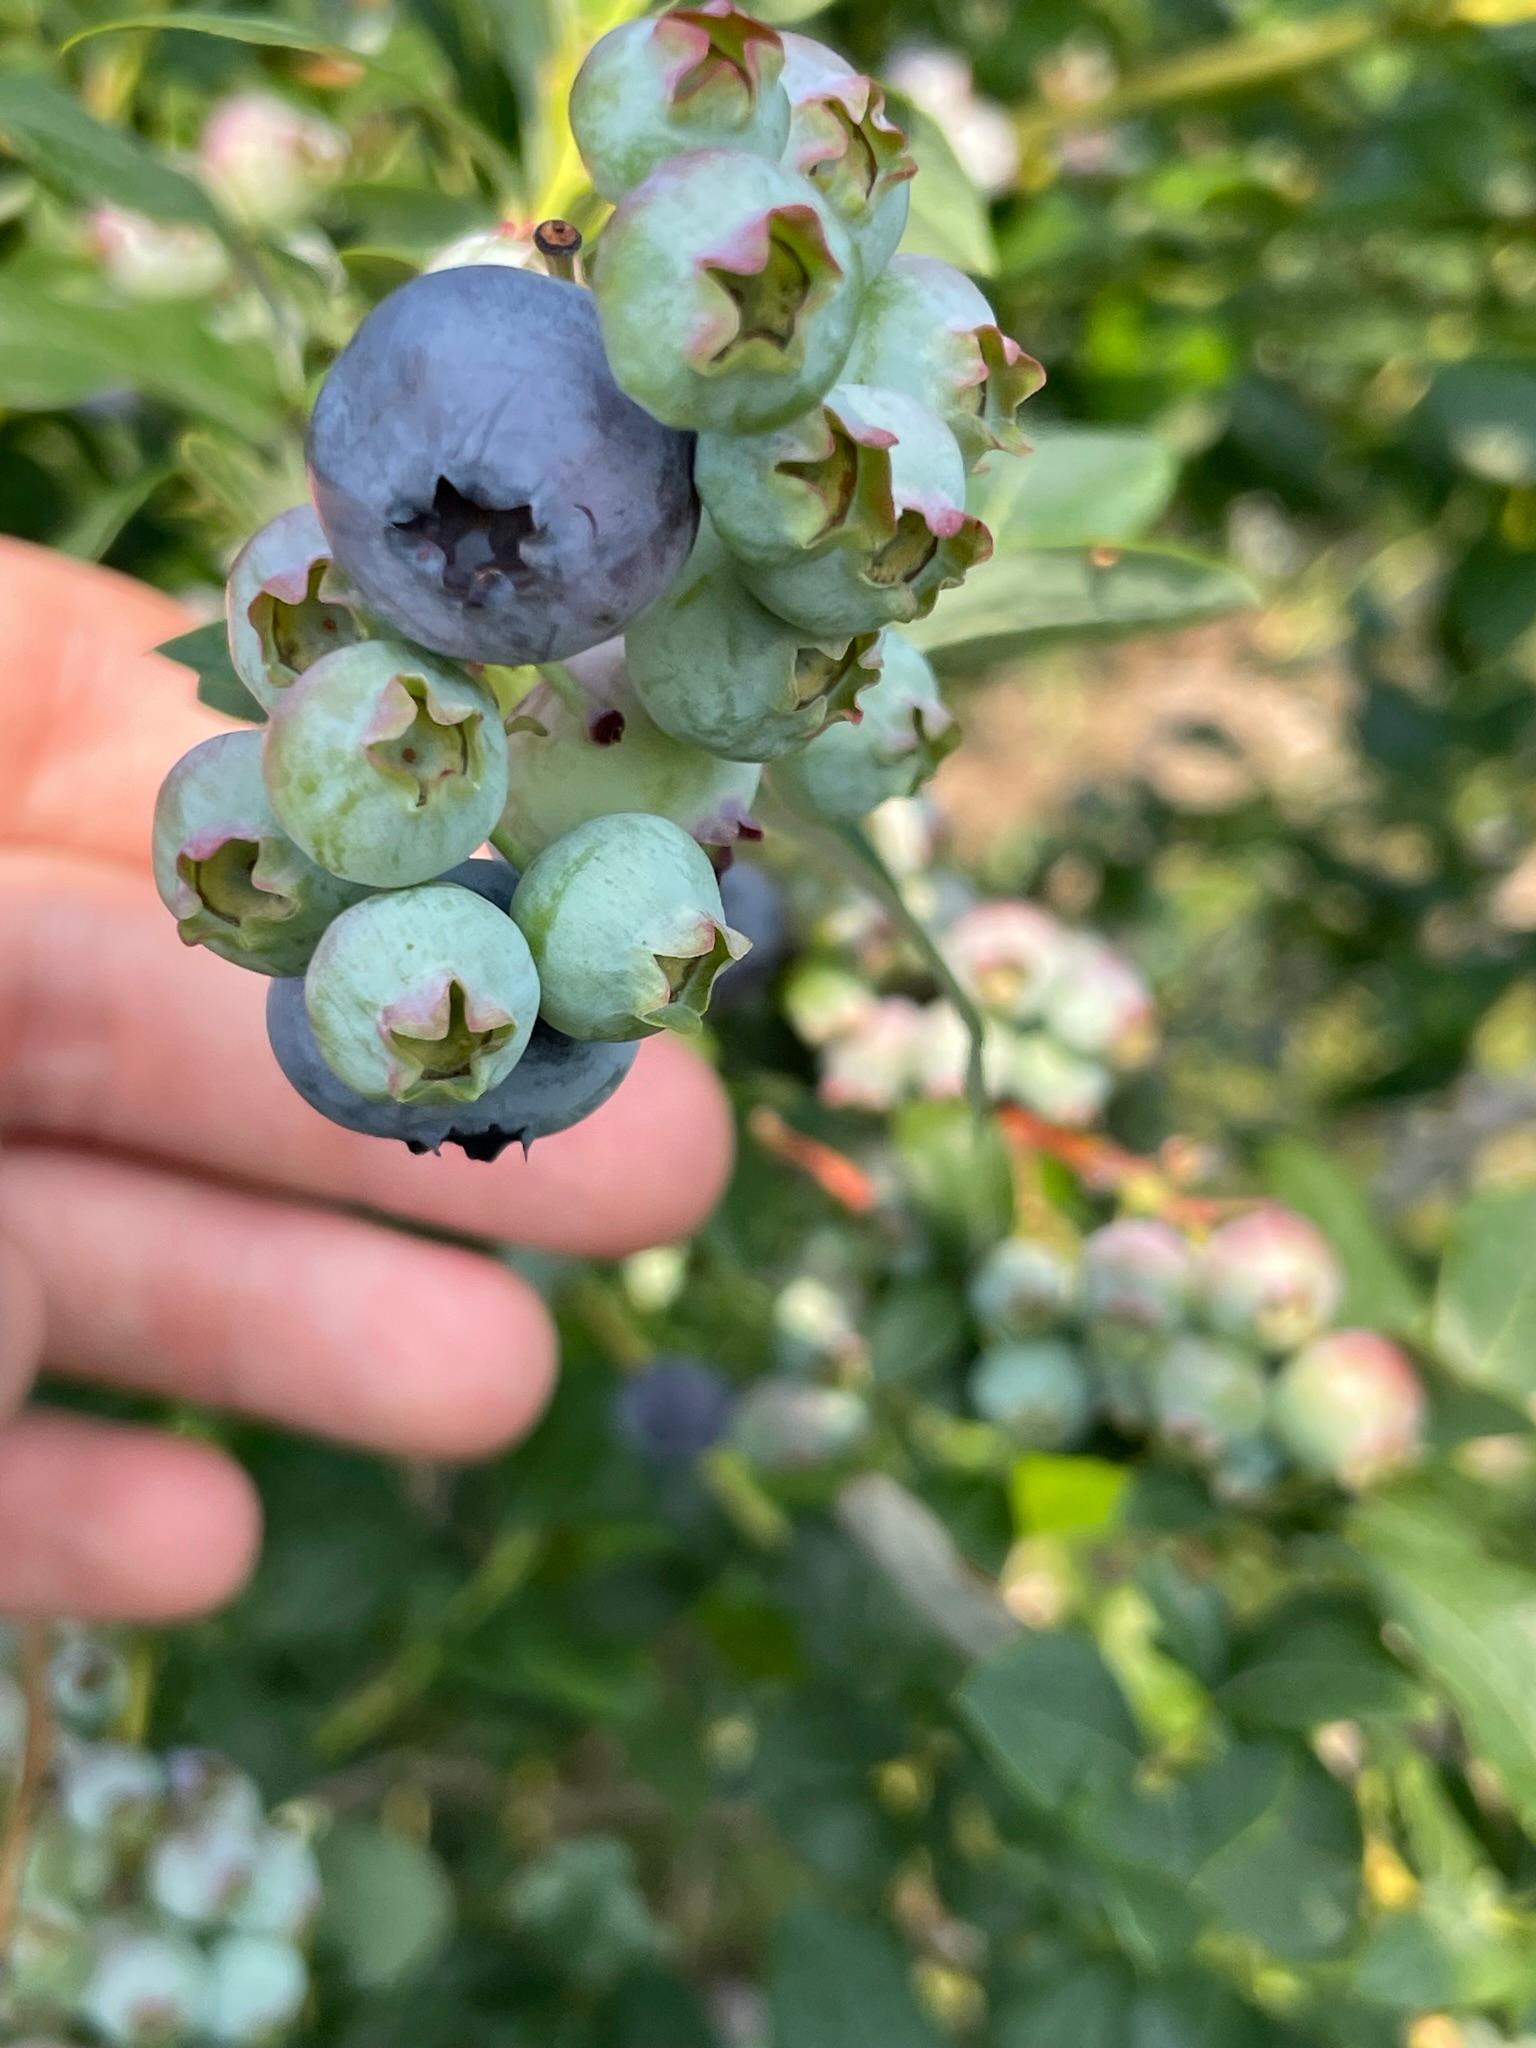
{"x": 606, "y": 729}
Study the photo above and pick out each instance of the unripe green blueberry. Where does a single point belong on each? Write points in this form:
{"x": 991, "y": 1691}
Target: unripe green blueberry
{"x": 728, "y": 293}
{"x": 282, "y": 1892}
{"x": 48, "y": 1955}
{"x": 1057, "y": 1083}
{"x": 715, "y": 670}
{"x": 701, "y": 77}
{"x": 287, "y": 604}
{"x": 624, "y": 921}
{"x": 89, "y": 1680}
{"x": 1040, "y": 1392}
{"x": 1246, "y": 1473}
{"x": 228, "y": 872}
{"x": 824, "y": 1003}
{"x": 424, "y": 995}
{"x": 113, "y": 1790}
{"x": 1098, "y": 1005}
{"x": 1350, "y": 1407}
{"x": 207, "y": 1790}
{"x": 907, "y": 538}
{"x": 944, "y": 1055}
{"x": 1136, "y": 1281}
{"x": 784, "y": 1426}
{"x": 878, "y": 1061}
{"x": 148, "y": 1990}
{"x": 927, "y": 330}
{"x": 386, "y": 765}
{"x": 1023, "y": 1286}
{"x": 842, "y": 139}
{"x": 824, "y": 476}
{"x": 568, "y": 761}
{"x": 197, "y": 1875}
{"x": 904, "y": 732}
{"x": 257, "y": 1986}
{"x": 1207, "y": 1396}
{"x": 1270, "y": 1278}
{"x": 1005, "y": 955}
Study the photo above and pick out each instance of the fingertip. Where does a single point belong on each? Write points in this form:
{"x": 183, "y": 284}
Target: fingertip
{"x": 21, "y": 1325}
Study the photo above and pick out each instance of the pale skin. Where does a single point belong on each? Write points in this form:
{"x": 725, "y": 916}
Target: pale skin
{"x": 173, "y": 1219}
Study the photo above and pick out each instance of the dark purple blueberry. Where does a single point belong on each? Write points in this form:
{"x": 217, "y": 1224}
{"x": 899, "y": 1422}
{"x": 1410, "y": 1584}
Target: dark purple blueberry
{"x": 483, "y": 480}
{"x": 754, "y": 904}
{"x": 673, "y": 1409}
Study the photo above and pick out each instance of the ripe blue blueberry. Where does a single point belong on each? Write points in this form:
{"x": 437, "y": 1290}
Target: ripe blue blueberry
{"x": 842, "y": 139}
{"x": 484, "y": 482}
{"x": 228, "y": 872}
{"x": 583, "y": 752}
{"x": 287, "y": 604}
{"x": 715, "y": 669}
{"x": 903, "y": 733}
{"x": 702, "y": 77}
{"x": 1039, "y": 1392}
{"x": 728, "y": 292}
{"x": 673, "y": 1409}
{"x": 625, "y": 924}
{"x": 386, "y": 766}
{"x": 927, "y": 330}
{"x": 754, "y": 905}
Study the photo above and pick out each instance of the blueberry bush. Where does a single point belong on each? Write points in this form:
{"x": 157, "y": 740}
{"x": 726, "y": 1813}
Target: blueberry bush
{"x": 1051, "y": 1560}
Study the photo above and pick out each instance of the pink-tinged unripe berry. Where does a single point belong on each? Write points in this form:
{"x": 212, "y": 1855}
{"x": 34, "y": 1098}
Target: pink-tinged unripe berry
{"x": 1136, "y": 1279}
{"x": 1098, "y": 1005}
{"x": 701, "y": 77}
{"x": 152, "y": 260}
{"x": 1004, "y": 955}
{"x": 944, "y": 1055}
{"x": 875, "y": 1064}
{"x": 844, "y": 141}
{"x": 1270, "y": 1278}
{"x": 268, "y": 160}
{"x": 1023, "y": 1286}
{"x": 904, "y": 731}
{"x": 287, "y": 604}
{"x": 1350, "y": 1407}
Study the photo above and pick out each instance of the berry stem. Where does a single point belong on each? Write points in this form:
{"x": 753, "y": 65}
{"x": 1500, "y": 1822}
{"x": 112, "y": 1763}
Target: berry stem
{"x": 559, "y": 243}
{"x": 37, "y": 1755}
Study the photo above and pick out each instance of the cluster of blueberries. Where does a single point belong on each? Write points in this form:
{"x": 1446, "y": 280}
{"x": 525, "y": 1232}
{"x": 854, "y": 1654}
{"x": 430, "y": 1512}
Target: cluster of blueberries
{"x": 1220, "y": 1346}
{"x": 584, "y": 560}
{"x": 159, "y": 1904}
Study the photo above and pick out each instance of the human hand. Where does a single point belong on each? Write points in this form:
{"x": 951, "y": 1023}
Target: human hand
{"x": 174, "y": 1219}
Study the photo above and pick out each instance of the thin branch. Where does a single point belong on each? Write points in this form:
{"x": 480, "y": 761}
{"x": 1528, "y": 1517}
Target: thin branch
{"x": 37, "y": 1755}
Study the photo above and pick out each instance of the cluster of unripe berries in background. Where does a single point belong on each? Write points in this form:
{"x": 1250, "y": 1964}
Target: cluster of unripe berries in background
{"x": 159, "y": 1905}
{"x": 580, "y": 566}
{"x": 1220, "y": 1346}
{"x": 1067, "y": 1016}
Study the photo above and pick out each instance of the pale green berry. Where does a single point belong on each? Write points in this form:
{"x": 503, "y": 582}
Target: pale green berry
{"x": 282, "y": 1892}
{"x": 1207, "y": 1396}
{"x": 625, "y": 924}
{"x": 782, "y": 1426}
{"x": 386, "y": 765}
{"x": 716, "y": 670}
{"x": 197, "y": 1875}
{"x": 842, "y": 139}
{"x": 701, "y": 77}
{"x": 257, "y": 1986}
{"x": 207, "y": 1790}
{"x": 1039, "y": 1392}
{"x": 904, "y": 731}
{"x": 907, "y": 535}
{"x": 728, "y": 292}
{"x": 287, "y": 604}
{"x": 228, "y": 872}
{"x": 878, "y": 1061}
{"x": 1024, "y": 1286}
{"x": 824, "y": 1002}
{"x": 111, "y": 1789}
{"x": 148, "y": 1990}
{"x": 1137, "y": 1277}
{"x": 1055, "y": 1082}
{"x": 944, "y": 1055}
{"x": 48, "y": 1956}
{"x": 1350, "y": 1407}
{"x": 424, "y": 995}
{"x": 1005, "y": 955}
{"x": 1247, "y": 1472}
{"x": 926, "y": 329}
{"x": 1098, "y": 1005}
{"x": 90, "y": 1683}
{"x": 589, "y": 748}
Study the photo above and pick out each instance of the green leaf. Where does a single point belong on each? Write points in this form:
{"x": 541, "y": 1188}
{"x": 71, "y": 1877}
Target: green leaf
{"x": 1457, "y": 1951}
{"x": 1485, "y": 1308}
{"x": 1066, "y": 1496}
{"x": 1077, "y": 487}
{"x": 1469, "y": 1619}
{"x": 958, "y": 1173}
{"x": 918, "y": 1328}
{"x": 102, "y": 517}
{"x": 205, "y": 650}
{"x": 1023, "y": 594}
{"x": 1485, "y": 414}
{"x": 1051, "y": 1716}
{"x": 229, "y": 28}
{"x": 1278, "y": 1855}
{"x": 388, "y": 1906}
{"x": 837, "y": 1982}
{"x": 53, "y": 133}
{"x": 1380, "y": 1290}
{"x": 949, "y": 217}
{"x": 1087, "y": 2004}
{"x": 1315, "y": 1658}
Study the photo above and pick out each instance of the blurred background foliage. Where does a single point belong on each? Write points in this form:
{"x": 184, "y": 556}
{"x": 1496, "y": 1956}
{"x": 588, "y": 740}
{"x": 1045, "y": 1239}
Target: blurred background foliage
{"x": 929, "y": 1741}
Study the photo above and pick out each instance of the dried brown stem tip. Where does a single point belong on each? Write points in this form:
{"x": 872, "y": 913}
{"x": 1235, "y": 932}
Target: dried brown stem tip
{"x": 559, "y": 243}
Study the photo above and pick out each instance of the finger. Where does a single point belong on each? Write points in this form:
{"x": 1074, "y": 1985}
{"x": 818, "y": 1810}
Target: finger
{"x": 21, "y": 1325}
{"x": 111, "y": 1032}
{"x": 106, "y": 1523}
{"x": 91, "y": 719}
{"x": 320, "y": 1321}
